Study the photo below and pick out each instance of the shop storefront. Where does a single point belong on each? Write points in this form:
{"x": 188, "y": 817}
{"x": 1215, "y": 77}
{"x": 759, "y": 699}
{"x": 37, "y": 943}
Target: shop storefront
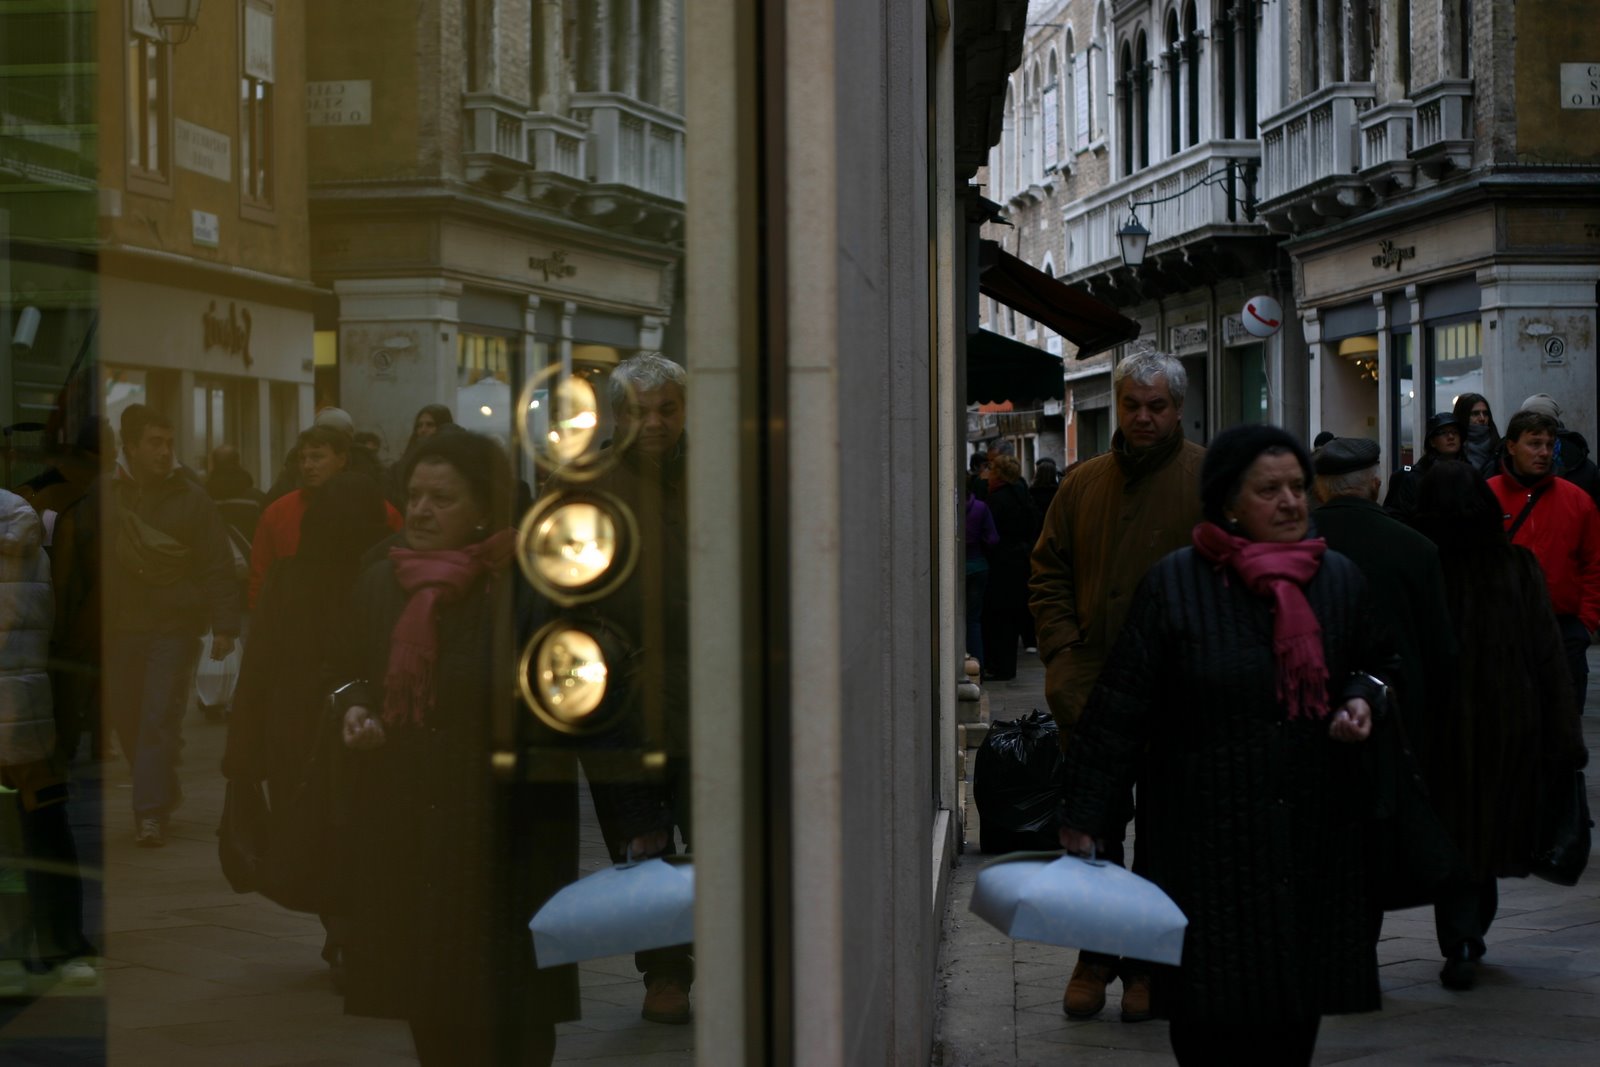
{"x": 227, "y": 364}
{"x": 1402, "y": 317}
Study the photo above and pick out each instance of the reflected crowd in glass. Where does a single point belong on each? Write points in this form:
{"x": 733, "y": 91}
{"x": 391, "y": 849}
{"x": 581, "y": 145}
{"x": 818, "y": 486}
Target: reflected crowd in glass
{"x": 343, "y": 536}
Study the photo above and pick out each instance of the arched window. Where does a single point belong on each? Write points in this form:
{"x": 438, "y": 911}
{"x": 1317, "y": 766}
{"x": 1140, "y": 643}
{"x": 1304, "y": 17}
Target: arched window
{"x": 1070, "y": 112}
{"x": 1125, "y": 106}
{"x": 1172, "y": 61}
{"x": 1191, "y": 70}
{"x": 1141, "y": 82}
{"x": 1036, "y": 159}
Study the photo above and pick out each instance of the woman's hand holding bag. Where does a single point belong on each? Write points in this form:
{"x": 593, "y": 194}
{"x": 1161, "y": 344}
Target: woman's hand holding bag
{"x": 362, "y": 729}
{"x": 1352, "y": 722}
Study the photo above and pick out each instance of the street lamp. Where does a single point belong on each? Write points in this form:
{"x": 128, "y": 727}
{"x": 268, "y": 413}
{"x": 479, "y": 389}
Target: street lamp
{"x": 176, "y": 19}
{"x": 1133, "y": 238}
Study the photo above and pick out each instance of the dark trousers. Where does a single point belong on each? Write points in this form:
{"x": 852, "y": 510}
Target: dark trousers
{"x": 1462, "y": 915}
{"x": 674, "y": 962}
{"x": 1576, "y": 639}
{"x": 514, "y": 1043}
{"x": 1126, "y": 969}
{"x": 55, "y": 889}
{"x": 977, "y": 582}
{"x": 1267, "y": 1043}
{"x": 1004, "y": 602}
{"x": 150, "y": 679}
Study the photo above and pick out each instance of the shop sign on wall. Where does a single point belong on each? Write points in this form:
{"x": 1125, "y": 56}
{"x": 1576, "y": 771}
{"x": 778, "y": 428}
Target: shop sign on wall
{"x": 202, "y": 150}
{"x": 1190, "y": 338}
{"x": 554, "y": 265}
{"x": 230, "y": 333}
{"x": 1580, "y": 85}
{"x": 1393, "y": 255}
{"x": 339, "y": 103}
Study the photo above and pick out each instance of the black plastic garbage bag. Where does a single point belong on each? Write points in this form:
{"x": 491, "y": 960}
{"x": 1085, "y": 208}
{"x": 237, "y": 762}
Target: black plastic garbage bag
{"x": 1016, "y": 782}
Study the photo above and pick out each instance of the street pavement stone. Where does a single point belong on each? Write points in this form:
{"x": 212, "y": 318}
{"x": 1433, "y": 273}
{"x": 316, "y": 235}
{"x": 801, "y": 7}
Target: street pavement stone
{"x": 196, "y": 974}
{"x": 1537, "y": 1000}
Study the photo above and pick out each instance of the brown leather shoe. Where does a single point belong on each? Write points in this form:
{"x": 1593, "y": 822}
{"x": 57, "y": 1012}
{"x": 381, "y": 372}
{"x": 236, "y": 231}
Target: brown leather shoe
{"x": 1086, "y": 990}
{"x": 666, "y": 1000}
{"x": 1136, "y": 998}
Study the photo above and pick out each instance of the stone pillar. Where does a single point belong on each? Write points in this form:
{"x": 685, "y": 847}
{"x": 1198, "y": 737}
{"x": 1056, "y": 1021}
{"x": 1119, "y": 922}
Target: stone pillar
{"x": 550, "y": 91}
{"x": 397, "y": 349}
{"x": 628, "y": 76}
{"x": 600, "y": 46}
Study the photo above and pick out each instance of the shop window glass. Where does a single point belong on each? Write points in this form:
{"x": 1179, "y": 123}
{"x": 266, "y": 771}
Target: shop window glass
{"x": 1248, "y": 369}
{"x": 1455, "y": 361}
{"x": 483, "y": 382}
{"x": 257, "y": 153}
{"x": 1404, "y": 396}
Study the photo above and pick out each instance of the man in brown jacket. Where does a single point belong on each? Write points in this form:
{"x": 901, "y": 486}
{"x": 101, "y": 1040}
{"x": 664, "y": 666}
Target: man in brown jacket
{"x": 1111, "y": 519}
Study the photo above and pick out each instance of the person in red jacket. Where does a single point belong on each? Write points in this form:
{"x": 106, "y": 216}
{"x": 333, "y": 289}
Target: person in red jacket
{"x": 324, "y": 452}
{"x": 1559, "y": 523}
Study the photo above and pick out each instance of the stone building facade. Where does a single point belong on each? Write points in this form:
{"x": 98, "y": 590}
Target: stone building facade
{"x": 511, "y": 201}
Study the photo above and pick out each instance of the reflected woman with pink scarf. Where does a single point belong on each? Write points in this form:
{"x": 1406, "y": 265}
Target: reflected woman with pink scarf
{"x": 446, "y": 863}
{"x": 1241, "y": 692}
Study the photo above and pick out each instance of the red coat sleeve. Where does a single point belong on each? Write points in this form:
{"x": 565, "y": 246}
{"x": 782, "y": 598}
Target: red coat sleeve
{"x": 1589, "y": 568}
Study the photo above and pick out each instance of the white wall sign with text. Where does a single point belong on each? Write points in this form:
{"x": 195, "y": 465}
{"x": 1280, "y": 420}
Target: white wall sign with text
{"x": 339, "y": 103}
{"x": 207, "y": 230}
{"x": 1580, "y": 85}
{"x": 202, "y": 150}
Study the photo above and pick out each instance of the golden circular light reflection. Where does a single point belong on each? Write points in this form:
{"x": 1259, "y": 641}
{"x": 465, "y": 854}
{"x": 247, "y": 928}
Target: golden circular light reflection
{"x": 574, "y": 418}
{"x": 570, "y": 675}
{"x": 574, "y": 545}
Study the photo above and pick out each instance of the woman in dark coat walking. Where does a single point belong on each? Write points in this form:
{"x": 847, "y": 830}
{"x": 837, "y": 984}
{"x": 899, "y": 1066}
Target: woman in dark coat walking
{"x": 1005, "y": 601}
{"x": 1239, "y": 691}
{"x": 278, "y": 730}
{"x": 1511, "y": 721}
{"x": 448, "y": 864}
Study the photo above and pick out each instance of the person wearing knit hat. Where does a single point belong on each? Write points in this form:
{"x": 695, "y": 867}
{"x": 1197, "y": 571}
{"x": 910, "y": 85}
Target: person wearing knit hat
{"x": 1544, "y": 404}
{"x": 1111, "y": 518}
{"x": 1242, "y": 657}
{"x": 336, "y": 419}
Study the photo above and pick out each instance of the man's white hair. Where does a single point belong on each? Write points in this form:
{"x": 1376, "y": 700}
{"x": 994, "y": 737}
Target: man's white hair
{"x": 1350, "y": 483}
{"x": 642, "y": 373}
{"x": 1146, "y": 367}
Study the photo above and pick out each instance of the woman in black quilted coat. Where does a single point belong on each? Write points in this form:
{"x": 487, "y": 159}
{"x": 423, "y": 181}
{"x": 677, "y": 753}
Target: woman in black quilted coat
{"x": 1240, "y": 691}
{"x": 446, "y": 863}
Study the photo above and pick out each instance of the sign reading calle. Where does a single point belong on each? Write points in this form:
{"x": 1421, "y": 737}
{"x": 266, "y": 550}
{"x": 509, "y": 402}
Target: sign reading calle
{"x": 1580, "y": 85}
{"x": 232, "y": 334}
{"x": 339, "y": 103}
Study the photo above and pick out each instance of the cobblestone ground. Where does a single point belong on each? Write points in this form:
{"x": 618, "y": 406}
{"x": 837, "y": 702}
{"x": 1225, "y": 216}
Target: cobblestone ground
{"x": 1537, "y": 1000}
{"x": 199, "y": 975}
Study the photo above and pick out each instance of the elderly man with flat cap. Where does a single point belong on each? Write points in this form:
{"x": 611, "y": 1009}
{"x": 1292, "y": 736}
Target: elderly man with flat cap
{"x": 1401, "y": 567}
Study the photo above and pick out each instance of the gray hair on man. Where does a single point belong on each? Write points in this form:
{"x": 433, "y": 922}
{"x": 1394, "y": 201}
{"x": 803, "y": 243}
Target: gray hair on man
{"x": 1146, "y": 367}
{"x": 642, "y": 373}
{"x": 1351, "y": 483}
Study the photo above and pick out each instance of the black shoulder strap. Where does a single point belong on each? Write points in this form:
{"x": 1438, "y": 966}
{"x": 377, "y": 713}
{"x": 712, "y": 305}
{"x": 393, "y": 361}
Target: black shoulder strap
{"x": 1533, "y": 498}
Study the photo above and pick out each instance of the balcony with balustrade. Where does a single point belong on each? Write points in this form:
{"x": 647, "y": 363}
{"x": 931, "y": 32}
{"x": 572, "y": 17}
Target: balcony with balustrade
{"x": 1444, "y": 127}
{"x": 1386, "y": 163}
{"x": 1311, "y": 158}
{"x": 1198, "y": 221}
{"x": 635, "y": 161}
{"x": 612, "y": 160}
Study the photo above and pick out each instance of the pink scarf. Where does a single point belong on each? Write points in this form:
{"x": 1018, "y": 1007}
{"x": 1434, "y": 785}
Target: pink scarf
{"x": 432, "y": 580}
{"x": 1281, "y": 572}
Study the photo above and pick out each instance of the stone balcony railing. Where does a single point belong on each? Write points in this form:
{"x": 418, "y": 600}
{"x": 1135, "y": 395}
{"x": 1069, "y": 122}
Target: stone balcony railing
{"x": 632, "y": 144}
{"x": 1386, "y": 164}
{"x": 1444, "y": 127}
{"x": 1092, "y": 223}
{"x": 1310, "y": 155}
{"x": 612, "y": 160}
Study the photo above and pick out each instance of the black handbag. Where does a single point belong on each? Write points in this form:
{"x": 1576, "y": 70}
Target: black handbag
{"x": 1563, "y": 850}
{"x": 243, "y": 834}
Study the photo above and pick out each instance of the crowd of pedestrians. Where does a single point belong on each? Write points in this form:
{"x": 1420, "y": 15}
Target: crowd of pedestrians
{"x": 1257, "y": 663}
{"x": 377, "y": 615}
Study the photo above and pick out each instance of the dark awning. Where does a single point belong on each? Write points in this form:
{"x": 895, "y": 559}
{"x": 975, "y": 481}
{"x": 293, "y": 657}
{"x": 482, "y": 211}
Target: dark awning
{"x": 1091, "y": 324}
{"x": 999, "y": 368}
